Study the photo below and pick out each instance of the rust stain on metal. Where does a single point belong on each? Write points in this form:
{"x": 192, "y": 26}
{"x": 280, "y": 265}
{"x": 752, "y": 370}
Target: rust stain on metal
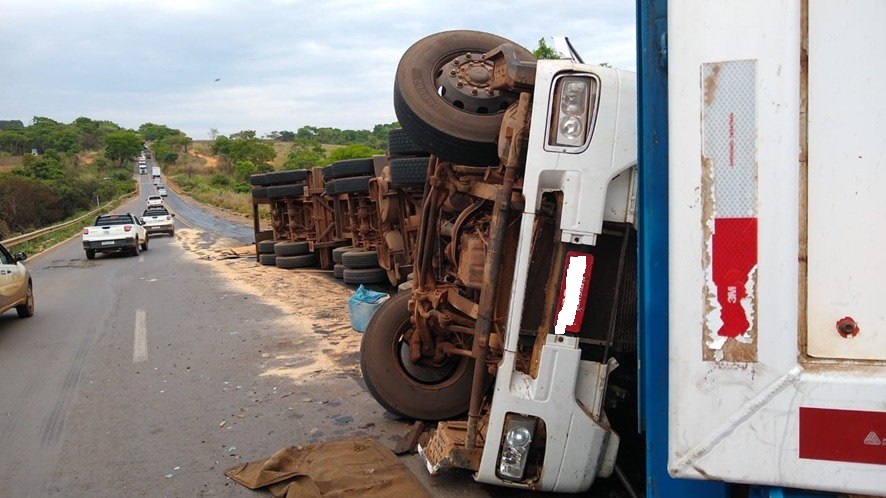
{"x": 710, "y": 85}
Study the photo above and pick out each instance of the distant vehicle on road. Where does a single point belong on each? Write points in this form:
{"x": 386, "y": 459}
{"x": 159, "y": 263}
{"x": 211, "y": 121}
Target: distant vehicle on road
{"x": 115, "y": 233}
{"x": 161, "y": 190}
{"x": 155, "y": 200}
{"x": 16, "y": 289}
{"x": 157, "y": 219}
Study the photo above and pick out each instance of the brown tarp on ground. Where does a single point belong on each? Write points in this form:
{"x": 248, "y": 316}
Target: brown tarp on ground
{"x": 345, "y": 468}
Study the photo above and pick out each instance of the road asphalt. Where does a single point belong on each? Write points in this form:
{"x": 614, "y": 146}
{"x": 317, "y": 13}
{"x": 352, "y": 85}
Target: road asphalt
{"x": 148, "y": 376}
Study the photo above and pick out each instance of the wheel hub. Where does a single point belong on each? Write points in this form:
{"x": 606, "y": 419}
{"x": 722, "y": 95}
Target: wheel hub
{"x": 465, "y": 81}
{"x": 423, "y": 373}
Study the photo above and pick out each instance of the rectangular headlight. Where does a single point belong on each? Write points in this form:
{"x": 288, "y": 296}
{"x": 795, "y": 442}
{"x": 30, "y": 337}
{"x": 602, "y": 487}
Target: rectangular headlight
{"x": 572, "y": 112}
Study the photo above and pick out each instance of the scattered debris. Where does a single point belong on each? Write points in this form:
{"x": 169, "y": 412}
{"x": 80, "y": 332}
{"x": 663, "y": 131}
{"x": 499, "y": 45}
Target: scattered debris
{"x": 222, "y": 423}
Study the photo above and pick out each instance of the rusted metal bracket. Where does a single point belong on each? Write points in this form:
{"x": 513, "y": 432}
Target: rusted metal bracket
{"x": 509, "y": 73}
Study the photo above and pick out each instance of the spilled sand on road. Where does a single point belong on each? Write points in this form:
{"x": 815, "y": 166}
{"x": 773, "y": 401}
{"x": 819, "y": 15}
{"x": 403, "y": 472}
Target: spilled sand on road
{"x": 313, "y": 303}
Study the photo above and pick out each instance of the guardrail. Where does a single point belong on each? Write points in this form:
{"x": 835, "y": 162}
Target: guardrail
{"x": 45, "y": 231}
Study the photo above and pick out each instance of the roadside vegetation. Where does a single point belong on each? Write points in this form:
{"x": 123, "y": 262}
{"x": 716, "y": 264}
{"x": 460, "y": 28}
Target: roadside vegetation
{"x": 61, "y": 170}
{"x": 217, "y": 172}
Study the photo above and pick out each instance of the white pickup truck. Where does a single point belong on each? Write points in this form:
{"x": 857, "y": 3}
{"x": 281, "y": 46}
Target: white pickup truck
{"x": 158, "y": 219}
{"x": 115, "y": 233}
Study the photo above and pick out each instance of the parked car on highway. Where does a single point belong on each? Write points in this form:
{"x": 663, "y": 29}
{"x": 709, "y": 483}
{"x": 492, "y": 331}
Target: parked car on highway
{"x": 16, "y": 289}
{"x": 161, "y": 190}
{"x": 115, "y": 233}
{"x": 157, "y": 219}
{"x": 155, "y": 200}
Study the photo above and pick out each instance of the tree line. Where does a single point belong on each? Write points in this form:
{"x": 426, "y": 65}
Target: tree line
{"x": 66, "y": 174}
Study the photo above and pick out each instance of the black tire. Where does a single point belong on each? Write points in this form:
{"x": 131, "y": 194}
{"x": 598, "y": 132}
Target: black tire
{"x": 434, "y": 122}
{"x": 278, "y": 191}
{"x": 401, "y": 144}
{"x": 354, "y": 185}
{"x": 393, "y": 386}
{"x": 365, "y": 275}
{"x": 26, "y": 310}
{"x": 409, "y": 172}
{"x": 172, "y": 233}
{"x": 286, "y": 177}
{"x": 259, "y": 192}
{"x": 338, "y": 271}
{"x": 330, "y": 187}
{"x": 292, "y": 248}
{"x": 300, "y": 261}
{"x": 90, "y": 254}
{"x": 267, "y": 259}
{"x": 352, "y": 167}
{"x": 360, "y": 259}
{"x": 258, "y": 180}
{"x": 145, "y": 244}
{"x": 327, "y": 172}
{"x": 338, "y": 251}
{"x": 134, "y": 251}
{"x": 267, "y": 246}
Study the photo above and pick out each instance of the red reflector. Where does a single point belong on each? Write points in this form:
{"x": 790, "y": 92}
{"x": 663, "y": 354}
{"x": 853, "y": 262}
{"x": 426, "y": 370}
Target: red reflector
{"x": 843, "y": 435}
{"x": 573, "y": 292}
{"x": 85, "y": 231}
{"x": 127, "y": 228}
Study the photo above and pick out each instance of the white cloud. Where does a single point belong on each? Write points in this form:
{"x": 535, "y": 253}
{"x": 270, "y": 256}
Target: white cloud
{"x": 282, "y": 63}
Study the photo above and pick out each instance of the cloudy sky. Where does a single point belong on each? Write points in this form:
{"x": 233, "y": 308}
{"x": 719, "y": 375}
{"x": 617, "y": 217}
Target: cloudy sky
{"x": 282, "y": 63}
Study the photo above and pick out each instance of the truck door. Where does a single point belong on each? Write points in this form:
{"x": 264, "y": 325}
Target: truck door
{"x": 776, "y": 330}
{"x": 8, "y": 277}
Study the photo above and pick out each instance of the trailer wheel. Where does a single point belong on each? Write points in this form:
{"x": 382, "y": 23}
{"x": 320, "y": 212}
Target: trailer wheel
{"x": 444, "y": 118}
{"x": 401, "y": 387}
{"x": 409, "y": 172}
{"x": 267, "y": 259}
{"x": 291, "y": 248}
{"x": 360, "y": 259}
{"x": 300, "y": 261}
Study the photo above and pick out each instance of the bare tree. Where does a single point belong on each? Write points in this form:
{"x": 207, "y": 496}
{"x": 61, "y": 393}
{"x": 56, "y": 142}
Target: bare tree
{"x": 213, "y": 132}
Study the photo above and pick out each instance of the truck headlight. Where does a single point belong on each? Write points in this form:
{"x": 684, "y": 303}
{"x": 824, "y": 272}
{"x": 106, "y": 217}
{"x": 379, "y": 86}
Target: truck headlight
{"x": 572, "y": 111}
{"x": 518, "y": 436}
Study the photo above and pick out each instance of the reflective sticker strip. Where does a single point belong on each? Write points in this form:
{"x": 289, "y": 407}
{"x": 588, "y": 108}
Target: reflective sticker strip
{"x": 729, "y": 213}
{"x": 843, "y": 435}
{"x": 574, "y": 292}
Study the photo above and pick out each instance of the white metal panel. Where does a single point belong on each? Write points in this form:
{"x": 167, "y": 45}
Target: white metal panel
{"x": 736, "y": 418}
{"x": 847, "y": 181}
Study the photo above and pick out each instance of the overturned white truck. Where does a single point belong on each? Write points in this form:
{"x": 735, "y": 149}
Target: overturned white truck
{"x": 524, "y": 296}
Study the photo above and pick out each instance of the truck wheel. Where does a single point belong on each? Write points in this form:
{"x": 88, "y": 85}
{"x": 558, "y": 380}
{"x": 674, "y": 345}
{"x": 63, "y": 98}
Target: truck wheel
{"x": 364, "y": 275}
{"x": 401, "y": 144}
{"x": 292, "y": 248}
{"x": 300, "y": 261}
{"x": 145, "y": 244}
{"x": 267, "y": 259}
{"x": 267, "y": 246}
{"x": 357, "y": 184}
{"x": 134, "y": 250}
{"x": 402, "y": 387}
{"x": 352, "y": 167}
{"x": 90, "y": 254}
{"x": 360, "y": 259}
{"x": 338, "y": 252}
{"x": 445, "y": 119}
{"x": 409, "y": 172}
{"x": 338, "y": 271}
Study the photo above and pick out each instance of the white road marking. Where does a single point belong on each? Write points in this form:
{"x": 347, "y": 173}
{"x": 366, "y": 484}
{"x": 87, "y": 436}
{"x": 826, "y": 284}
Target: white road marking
{"x": 141, "y": 258}
{"x": 140, "y": 345}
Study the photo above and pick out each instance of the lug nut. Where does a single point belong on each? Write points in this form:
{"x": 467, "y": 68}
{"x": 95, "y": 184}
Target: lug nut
{"x": 489, "y": 91}
{"x": 452, "y": 72}
{"x": 474, "y": 91}
{"x": 459, "y": 84}
{"x": 468, "y": 56}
